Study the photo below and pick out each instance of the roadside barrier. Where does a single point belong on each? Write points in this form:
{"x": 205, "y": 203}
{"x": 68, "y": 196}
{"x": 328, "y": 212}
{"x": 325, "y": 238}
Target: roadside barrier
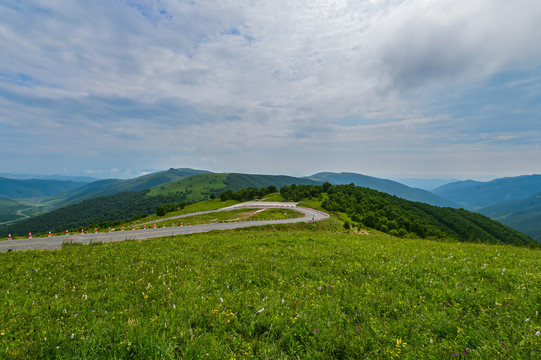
{"x": 30, "y": 235}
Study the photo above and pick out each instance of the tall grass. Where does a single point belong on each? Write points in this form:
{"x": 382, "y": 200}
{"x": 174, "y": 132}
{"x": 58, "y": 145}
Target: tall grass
{"x": 307, "y": 292}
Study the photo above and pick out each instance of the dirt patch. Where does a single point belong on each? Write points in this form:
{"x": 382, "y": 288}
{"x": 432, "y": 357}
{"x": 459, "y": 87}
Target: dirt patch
{"x": 363, "y": 232}
{"x": 248, "y": 215}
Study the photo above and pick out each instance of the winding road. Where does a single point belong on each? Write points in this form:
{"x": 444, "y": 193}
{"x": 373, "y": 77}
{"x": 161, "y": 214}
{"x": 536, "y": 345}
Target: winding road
{"x": 55, "y": 242}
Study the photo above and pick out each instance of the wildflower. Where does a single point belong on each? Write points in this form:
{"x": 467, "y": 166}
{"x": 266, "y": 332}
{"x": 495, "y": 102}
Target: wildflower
{"x": 536, "y": 334}
{"x": 528, "y": 319}
{"x": 145, "y": 297}
{"x": 315, "y": 331}
{"x": 261, "y": 310}
{"x": 2, "y": 333}
{"x": 72, "y": 336}
{"x": 165, "y": 325}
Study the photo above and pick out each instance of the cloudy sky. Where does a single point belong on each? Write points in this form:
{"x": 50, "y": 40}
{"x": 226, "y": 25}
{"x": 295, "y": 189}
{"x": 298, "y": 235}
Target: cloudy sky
{"x": 417, "y": 88}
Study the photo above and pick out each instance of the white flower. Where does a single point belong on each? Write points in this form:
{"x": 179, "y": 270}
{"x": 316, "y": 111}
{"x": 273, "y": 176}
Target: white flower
{"x": 72, "y": 336}
{"x": 261, "y": 310}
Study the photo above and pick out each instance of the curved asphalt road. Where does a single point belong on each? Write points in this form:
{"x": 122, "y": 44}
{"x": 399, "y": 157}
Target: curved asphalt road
{"x": 55, "y": 242}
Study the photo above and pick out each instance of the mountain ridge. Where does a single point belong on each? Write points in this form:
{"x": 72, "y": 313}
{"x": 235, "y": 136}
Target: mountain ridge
{"x": 384, "y": 185}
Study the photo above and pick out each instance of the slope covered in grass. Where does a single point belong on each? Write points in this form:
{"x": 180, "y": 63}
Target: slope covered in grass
{"x": 114, "y": 186}
{"x": 201, "y": 187}
{"x": 299, "y": 291}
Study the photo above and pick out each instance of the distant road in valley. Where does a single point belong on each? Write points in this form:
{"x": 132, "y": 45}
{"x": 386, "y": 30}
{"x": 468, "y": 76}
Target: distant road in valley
{"x": 55, "y": 242}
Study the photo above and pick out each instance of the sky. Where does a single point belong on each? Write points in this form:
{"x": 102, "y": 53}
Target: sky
{"x": 390, "y": 88}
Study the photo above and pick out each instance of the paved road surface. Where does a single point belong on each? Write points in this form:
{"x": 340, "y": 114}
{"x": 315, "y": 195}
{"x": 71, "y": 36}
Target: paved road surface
{"x": 56, "y": 242}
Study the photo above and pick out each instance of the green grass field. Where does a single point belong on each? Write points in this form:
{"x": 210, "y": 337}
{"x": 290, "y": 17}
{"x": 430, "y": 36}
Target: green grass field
{"x": 276, "y": 292}
{"x": 193, "y": 188}
{"x": 233, "y": 215}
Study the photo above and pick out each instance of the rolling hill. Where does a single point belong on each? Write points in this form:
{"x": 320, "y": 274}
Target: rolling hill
{"x": 383, "y": 185}
{"x": 113, "y": 186}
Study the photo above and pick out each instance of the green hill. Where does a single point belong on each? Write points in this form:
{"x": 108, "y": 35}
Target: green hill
{"x": 522, "y": 215}
{"x": 200, "y": 187}
{"x": 384, "y": 185}
{"x": 113, "y": 186}
{"x": 390, "y": 214}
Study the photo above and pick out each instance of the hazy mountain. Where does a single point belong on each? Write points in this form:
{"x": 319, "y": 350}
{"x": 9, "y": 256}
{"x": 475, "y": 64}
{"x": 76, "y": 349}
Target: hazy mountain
{"x": 425, "y": 184}
{"x": 522, "y": 215}
{"x": 384, "y": 185}
{"x": 84, "y": 179}
{"x": 475, "y": 195}
{"x": 35, "y": 188}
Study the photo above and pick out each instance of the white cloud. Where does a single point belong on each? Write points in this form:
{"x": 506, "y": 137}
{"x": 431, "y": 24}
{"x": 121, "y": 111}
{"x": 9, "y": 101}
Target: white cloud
{"x": 152, "y": 77}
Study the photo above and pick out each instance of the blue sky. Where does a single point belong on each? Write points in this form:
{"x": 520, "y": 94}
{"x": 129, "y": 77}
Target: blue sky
{"x": 384, "y": 88}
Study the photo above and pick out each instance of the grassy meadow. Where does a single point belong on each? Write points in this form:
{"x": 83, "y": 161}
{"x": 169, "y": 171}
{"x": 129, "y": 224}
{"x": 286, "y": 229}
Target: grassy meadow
{"x": 276, "y": 292}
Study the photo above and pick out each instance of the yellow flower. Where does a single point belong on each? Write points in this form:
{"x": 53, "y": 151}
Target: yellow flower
{"x": 3, "y": 333}
{"x": 146, "y": 296}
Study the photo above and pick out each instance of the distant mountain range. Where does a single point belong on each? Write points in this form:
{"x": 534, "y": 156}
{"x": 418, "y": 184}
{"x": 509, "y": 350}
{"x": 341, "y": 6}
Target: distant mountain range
{"x": 85, "y": 179}
{"x": 514, "y": 201}
{"x": 34, "y": 188}
{"x": 474, "y": 195}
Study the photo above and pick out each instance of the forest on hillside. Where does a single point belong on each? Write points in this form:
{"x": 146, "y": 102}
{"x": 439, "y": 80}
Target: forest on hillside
{"x": 99, "y": 212}
{"x": 395, "y": 216}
